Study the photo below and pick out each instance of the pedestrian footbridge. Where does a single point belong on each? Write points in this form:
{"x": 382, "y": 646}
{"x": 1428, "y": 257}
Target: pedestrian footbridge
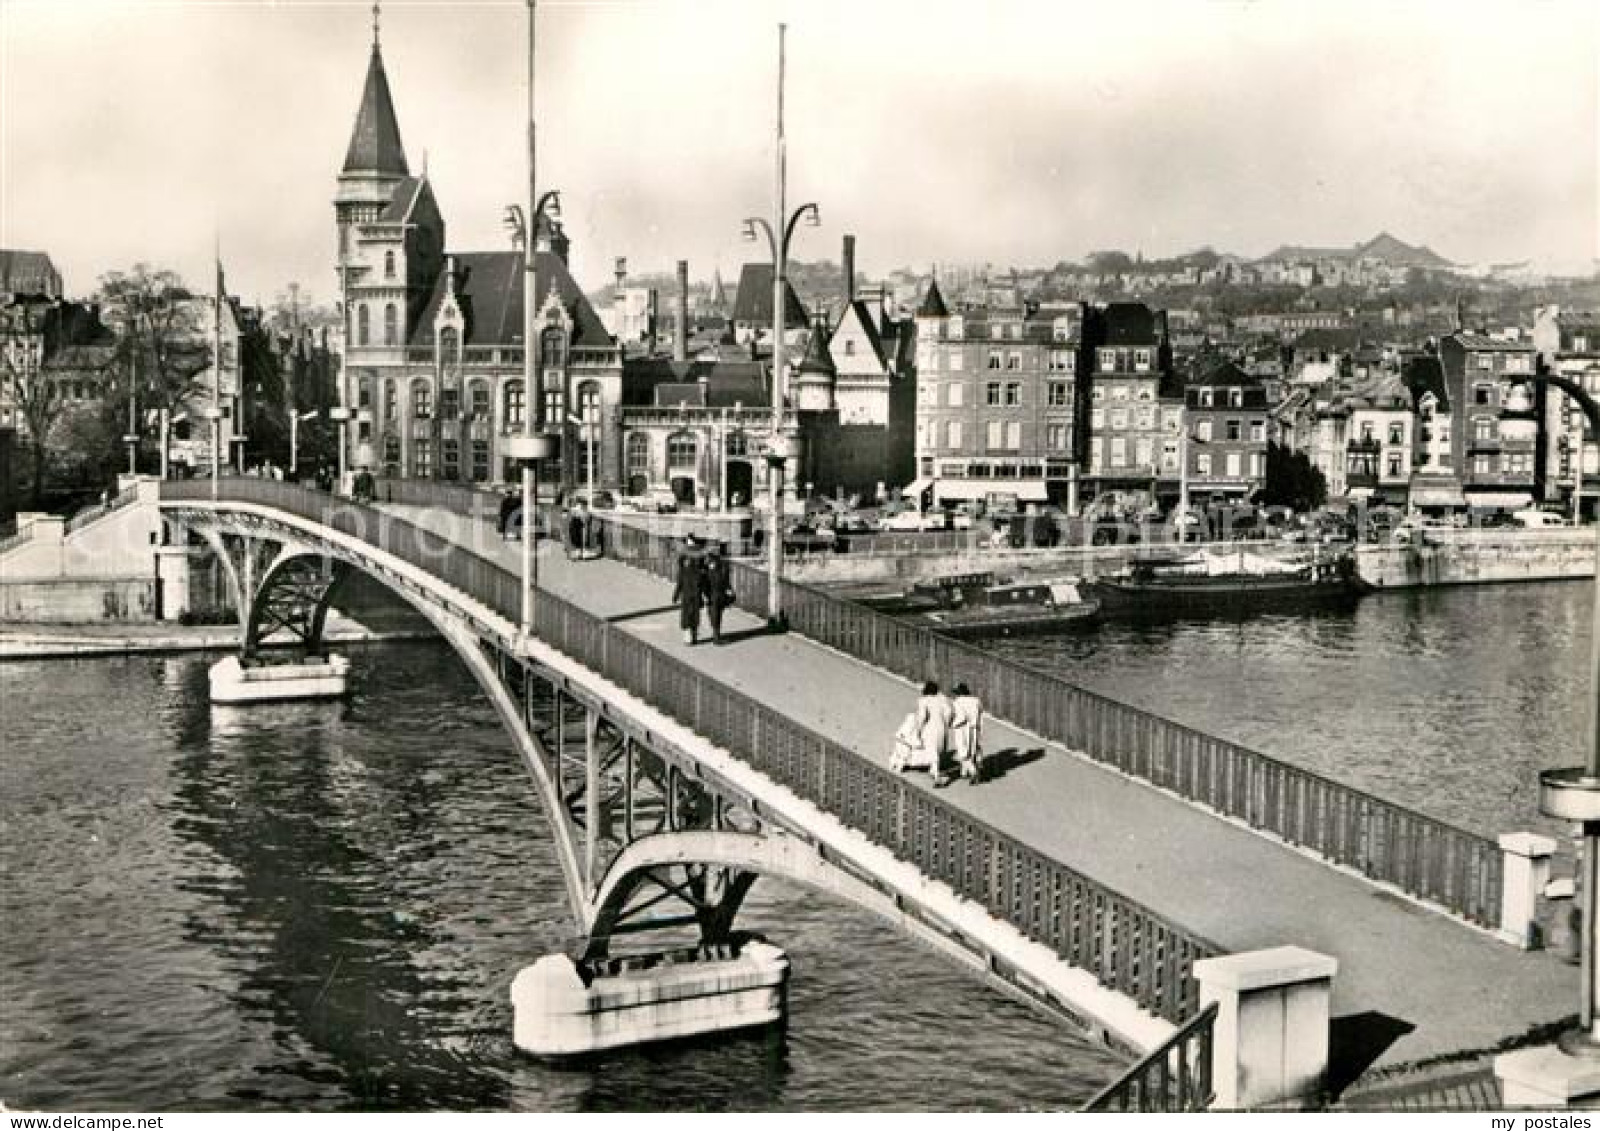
{"x": 1114, "y": 851}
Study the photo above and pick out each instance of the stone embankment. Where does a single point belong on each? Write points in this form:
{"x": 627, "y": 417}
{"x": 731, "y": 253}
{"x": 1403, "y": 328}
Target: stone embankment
{"x": 1470, "y": 557}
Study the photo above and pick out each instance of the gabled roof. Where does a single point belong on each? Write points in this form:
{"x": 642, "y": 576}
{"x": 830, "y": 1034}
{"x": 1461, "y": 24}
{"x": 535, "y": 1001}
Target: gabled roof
{"x": 488, "y": 287}
{"x": 869, "y": 326}
{"x": 817, "y": 358}
{"x": 1224, "y": 373}
{"x": 28, "y": 272}
{"x": 721, "y": 384}
{"x": 1483, "y": 342}
{"x": 932, "y": 305}
{"x": 753, "y": 303}
{"x": 673, "y": 394}
{"x": 1425, "y": 375}
{"x": 375, "y": 142}
{"x": 404, "y": 200}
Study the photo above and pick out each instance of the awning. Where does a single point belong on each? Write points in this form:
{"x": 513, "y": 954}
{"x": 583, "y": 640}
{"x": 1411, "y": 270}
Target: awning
{"x": 916, "y": 487}
{"x": 1023, "y": 490}
{"x": 1441, "y": 495}
{"x": 1499, "y": 500}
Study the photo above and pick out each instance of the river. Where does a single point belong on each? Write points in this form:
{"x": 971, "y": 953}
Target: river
{"x": 323, "y": 906}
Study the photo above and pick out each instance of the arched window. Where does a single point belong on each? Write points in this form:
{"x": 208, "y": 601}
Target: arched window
{"x": 589, "y": 430}
{"x": 681, "y": 453}
{"x": 478, "y": 400}
{"x": 421, "y": 400}
{"x": 362, "y": 327}
{"x": 390, "y": 409}
{"x": 738, "y": 444}
{"x": 516, "y": 403}
{"x": 391, "y": 324}
{"x": 638, "y": 454}
{"x": 388, "y": 265}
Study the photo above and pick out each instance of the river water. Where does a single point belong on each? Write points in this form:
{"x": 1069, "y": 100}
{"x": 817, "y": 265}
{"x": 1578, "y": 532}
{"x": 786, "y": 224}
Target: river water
{"x": 323, "y": 906}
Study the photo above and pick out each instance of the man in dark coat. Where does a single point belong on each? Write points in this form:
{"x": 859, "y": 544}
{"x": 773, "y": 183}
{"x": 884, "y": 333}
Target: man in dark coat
{"x": 509, "y": 502}
{"x": 689, "y": 589}
{"x": 716, "y": 582}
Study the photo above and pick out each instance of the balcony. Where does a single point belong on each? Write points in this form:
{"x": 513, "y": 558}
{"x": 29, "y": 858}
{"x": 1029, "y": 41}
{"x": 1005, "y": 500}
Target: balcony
{"x": 1370, "y": 445}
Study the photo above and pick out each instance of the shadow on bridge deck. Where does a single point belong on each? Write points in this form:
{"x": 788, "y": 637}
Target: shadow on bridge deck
{"x": 1413, "y": 985}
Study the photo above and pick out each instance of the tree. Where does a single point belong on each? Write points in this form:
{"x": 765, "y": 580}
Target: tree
{"x": 1292, "y": 480}
{"x": 162, "y": 350}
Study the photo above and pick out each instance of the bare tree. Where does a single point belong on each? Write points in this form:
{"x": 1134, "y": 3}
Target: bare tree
{"x": 162, "y": 350}
{"x": 38, "y": 398}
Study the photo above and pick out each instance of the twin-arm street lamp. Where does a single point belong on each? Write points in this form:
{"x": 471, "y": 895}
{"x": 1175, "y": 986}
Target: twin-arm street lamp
{"x": 1573, "y": 793}
{"x": 780, "y": 446}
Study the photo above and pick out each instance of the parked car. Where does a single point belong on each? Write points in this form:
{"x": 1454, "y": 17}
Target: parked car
{"x": 661, "y": 500}
{"x": 903, "y": 522}
{"x": 1533, "y": 519}
{"x": 602, "y": 499}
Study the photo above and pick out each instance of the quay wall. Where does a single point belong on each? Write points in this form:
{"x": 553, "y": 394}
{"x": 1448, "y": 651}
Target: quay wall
{"x": 77, "y": 600}
{"x": 1471, "y": 557}
{"x": 904, "y": 568}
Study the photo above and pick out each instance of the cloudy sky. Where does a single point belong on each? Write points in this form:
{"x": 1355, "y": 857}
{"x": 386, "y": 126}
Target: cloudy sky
{"x": 936, "y": 130}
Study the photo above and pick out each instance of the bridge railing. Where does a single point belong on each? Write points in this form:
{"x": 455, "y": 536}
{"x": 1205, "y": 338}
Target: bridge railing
{"x": 99, "y": 510}
{"x": 1421, "y": 855}
{"x": 1174, "y": 1077}
{"x": 1124, "y": 945}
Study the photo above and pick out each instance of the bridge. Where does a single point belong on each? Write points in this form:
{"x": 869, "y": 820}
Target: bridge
{"x": 1115, "y": 851}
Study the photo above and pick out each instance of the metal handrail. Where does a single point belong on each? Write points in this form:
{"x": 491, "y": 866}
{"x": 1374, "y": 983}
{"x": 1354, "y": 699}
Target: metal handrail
{"x": 99, "y": 510}
{"x": 1123, "y": 944}
{"x": 1173, "y": 1077}
{"x": 1426, "y": 857}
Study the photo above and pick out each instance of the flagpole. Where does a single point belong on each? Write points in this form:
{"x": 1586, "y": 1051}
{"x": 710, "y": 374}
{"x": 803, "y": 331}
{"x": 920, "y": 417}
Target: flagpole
{"x": 216, "y": 380}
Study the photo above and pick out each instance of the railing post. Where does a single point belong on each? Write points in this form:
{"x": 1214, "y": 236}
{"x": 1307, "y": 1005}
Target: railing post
{"x": 1271, "y": 1042}
{"x": 1526, "y": 871}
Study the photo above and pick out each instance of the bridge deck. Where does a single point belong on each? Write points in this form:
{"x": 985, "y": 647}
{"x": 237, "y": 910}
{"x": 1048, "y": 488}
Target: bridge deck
{"x": 1412, "y": 984}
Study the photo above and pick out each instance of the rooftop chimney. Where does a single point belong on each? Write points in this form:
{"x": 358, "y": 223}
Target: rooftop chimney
{"x": 680, "y": 343}
{"x": 849, "y": 269}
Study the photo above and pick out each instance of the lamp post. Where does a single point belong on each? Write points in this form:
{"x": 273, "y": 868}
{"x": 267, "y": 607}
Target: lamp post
{"x": 340, "y": 415}
{"x": 779, "y": 448}
{"x": 294, "y": 442}
{"x": 1573, "y": 793}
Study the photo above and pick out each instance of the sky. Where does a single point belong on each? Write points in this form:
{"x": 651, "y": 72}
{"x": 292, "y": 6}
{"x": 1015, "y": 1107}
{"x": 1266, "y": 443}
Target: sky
{"x": 1010, "y": 132}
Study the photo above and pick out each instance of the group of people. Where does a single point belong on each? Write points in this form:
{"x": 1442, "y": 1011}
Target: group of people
{"x": 943, "y": 735}
{"x": 704, "y": 582}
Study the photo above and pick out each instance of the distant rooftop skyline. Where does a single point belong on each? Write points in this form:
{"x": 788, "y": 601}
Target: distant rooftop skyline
{"x": 1030, "y": 133}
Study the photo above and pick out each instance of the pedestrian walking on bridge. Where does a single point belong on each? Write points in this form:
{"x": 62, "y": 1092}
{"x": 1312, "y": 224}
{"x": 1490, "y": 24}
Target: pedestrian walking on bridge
{"x": 966, "y": 732}
{"x": 934, "y": 715}
{"x": 689, "y": 588}
{"x": 717, "y": 583}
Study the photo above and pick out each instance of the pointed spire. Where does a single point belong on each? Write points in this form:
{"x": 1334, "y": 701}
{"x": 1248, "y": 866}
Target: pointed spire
{"x": 818, "y": 358}
{"x": 933, "y": 303}
{"x": 375, "y": 143}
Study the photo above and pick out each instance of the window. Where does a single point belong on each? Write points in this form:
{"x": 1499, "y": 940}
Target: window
{"x": 515, "y": 404}
{"x": 1235, "y": 398}
{"x": 681, "y": 453}
{"x": 1202, "y": 463}
{"x": 1518, "y": 363}
{"x": 954, "y": 394}
{"x": 449, "y": 343}
{"x": 1060, "y": 394}
{"x": 1061, "y": 361}
{"x": 991, "y": 393}
{"x": 551, "y": 349}
{"x": 1119, "y": 418}
{"x": 1097, "y": 418}
{"x": 1013, "y": 360}
{"x": 555, "y": 405}
{"x": 1143, "y": 451}
{"x": 1141, "y": 360}
{"x": 1172, "y": 420}
{"x": 389, "y": 398}
{"x": 364, "y": 392}
{"x": 391, "y": 454}
{"x": 1013, "y": 434}
{"x": 450, "y": 458}
{"x": 1483, "y": 429}
{"x": 1480, "y": 465}
{"x": 1366, "y": 432}
{"x": 1169, "y": 455}
{"x": 388, "y": 265}
{"x": 1096, "y": 449}
{"x": 1202, "y": 431}
{"x": 1108, "y": 360}
{"x": 421, "y": 400}
{"x": 637, "y": 451}
{"x": 849, "y": 347}
{"x": 1205, "y": 398}
{"x": 1013, "y": 393}
{"x": 478, "y": 399}
{"x": 738, "y": 445}
{"x": 361, "y": 325}
{"x": 1485, "y": 361}
{"x": 1119, "y": 392}
{"x": 1397, "y": 433}
{"x": 1056, "y": 437}
{"x": 1257, "y": 463}
{"x": 421, "y": 458}
{"x": 1119, "y": 452}
{"x": 952, "y": 435}
{"x": 1235, "y": 465}
{"x": 954, "y": 357}
{"x": 391, "y": 324}
{"x": 994, "y": 436}
{"x": 449, "y": 404}
{"x": 1235, "y": 430}
{"x": 1394, "y": 464}
{"x": 1482, "y": 394}
{"x": 1097, "y": 393}
{"x": 994, "y": 359}
{"x": 1258, "y": 431}
{"x": 1146, "y": 417}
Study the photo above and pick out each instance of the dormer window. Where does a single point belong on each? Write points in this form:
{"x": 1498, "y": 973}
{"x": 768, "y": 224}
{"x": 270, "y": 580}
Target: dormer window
{"x": 1235, "y": 398}
{"x": 1205, "y": 398}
